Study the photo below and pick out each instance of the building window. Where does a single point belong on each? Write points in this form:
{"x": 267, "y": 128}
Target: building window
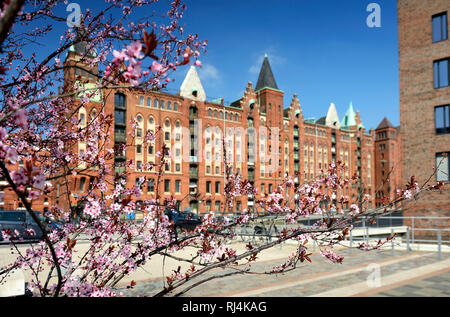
{"x": 82, "y": 182}
{"x": 208, "y": 187}
{"x": 161, "y": 103}
{"x": 442, "y": 119}
{"x": 139, "y": 165}
{"x": 167, "y": 136}
{"x": 208, "y": 205}
{"x": 151, "y": 185}
{"x": 217, "y": 170}
{"x": 217, "y": 209}
{"x": 177, "y": 167}
{"x": 138, "y": 149}
{"x": 169, "y": 105}
{"x": 442, "y": 166}
{"x": 177, "y": 186}
{"x": 167, "y": 186}
{"x": 141, "y": 100}
{"x": 149, "y": 102}
{"x": 441, "y": 73}
{"x": 175, "y": 106}
{"x": 217, "y": 187}
{"x": 82, "y": 118}
{"x": 208, "y": 169}
{"x": 150, "y": 149}
{"x": 155, "y": 103}
{"x": 439, "y": 22}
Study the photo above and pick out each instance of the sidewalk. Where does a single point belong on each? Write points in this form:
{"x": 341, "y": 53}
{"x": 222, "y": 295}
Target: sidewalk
{"x": 317, "y": 278}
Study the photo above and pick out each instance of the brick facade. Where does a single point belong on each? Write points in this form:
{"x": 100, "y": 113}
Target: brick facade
{"x": 418, "y": 99}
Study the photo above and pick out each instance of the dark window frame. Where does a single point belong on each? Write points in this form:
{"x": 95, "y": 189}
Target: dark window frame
{"x": 446, "y": 128}
{"x": 436, "y": 77}
{"x": 443, "y": 36}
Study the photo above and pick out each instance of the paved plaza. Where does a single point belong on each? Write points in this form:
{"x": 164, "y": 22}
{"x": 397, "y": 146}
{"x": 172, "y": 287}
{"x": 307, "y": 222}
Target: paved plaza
{"x": 401, "y": 274}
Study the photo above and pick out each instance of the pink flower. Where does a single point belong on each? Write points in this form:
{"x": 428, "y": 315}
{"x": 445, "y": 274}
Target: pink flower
{"x": 3, "y": 133}
{"x": 39, "y": 181}
{"x": 156, "y": 67}
{"x": 134, "y": 50}
{"x": 33, "y": 194}
{"x": 198, "y": 63}
{"x": 11, "y": 155}
{"x": 20, "y": 118}
{"x": 92, "y": 208}
{"x": 18, "y": 177}
{"x": 118, "y": 57}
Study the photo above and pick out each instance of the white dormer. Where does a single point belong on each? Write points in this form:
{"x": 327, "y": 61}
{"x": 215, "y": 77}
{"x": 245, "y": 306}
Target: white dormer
{"x": 192, "y": 87}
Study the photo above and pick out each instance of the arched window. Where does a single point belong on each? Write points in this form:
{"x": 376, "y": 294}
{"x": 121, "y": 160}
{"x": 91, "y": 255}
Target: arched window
{"x": 209, "y": 113}
{"x": 236, "y": 117}
{"x": 175, "y": 106}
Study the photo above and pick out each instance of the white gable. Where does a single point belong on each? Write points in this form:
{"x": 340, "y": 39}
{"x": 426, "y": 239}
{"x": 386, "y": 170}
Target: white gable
{"x": 332, "y": 119}
{"x": 191, "y": 84}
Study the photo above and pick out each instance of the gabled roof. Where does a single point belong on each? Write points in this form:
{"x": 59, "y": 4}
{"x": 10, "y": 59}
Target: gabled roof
{"x": 384, "y": 124}
{"x": 265, "y": 78}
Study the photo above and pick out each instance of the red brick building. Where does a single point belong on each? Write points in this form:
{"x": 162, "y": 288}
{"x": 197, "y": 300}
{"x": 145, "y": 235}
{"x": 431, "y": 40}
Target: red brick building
{"x": 424, "y": 59}
{"x": 264, "y": 140}
{"x": 388, "y": 166}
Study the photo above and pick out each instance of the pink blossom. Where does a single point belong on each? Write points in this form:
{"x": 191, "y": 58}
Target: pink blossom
{"x": 33, "y": 194}
{"x": 3, "y": 133}
{"x": 39, "y": 181}
{"x": 156, "y": 67}
{"x": 11, "y": 155}
{"x": 20, "y": 118}
{"x": 18, "y": 177}
{"x": 119, "y": 57}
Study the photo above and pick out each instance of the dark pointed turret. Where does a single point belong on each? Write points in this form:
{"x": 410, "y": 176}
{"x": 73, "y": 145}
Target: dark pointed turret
{"x": 385, "y": 124}
{"x": 265, "y": 78}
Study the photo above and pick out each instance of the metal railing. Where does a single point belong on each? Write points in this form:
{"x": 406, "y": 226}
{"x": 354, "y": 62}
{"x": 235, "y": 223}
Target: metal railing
{"x": 411, "y": 235}
{"x": 410, "y": 231}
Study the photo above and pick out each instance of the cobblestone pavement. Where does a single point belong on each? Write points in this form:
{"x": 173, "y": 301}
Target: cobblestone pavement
{"x": 357, "y": 261}
{"x": 438, "y": 286}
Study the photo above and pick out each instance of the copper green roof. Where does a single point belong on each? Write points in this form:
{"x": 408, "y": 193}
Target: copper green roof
{"x": 349, "y": 119}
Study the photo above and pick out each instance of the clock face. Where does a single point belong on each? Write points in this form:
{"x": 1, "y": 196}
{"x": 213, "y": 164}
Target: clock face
{"x": 89, "y": 90}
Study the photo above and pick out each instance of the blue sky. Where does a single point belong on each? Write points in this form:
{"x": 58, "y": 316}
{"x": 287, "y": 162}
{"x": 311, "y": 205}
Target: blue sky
{"x": 322, "y": 50}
